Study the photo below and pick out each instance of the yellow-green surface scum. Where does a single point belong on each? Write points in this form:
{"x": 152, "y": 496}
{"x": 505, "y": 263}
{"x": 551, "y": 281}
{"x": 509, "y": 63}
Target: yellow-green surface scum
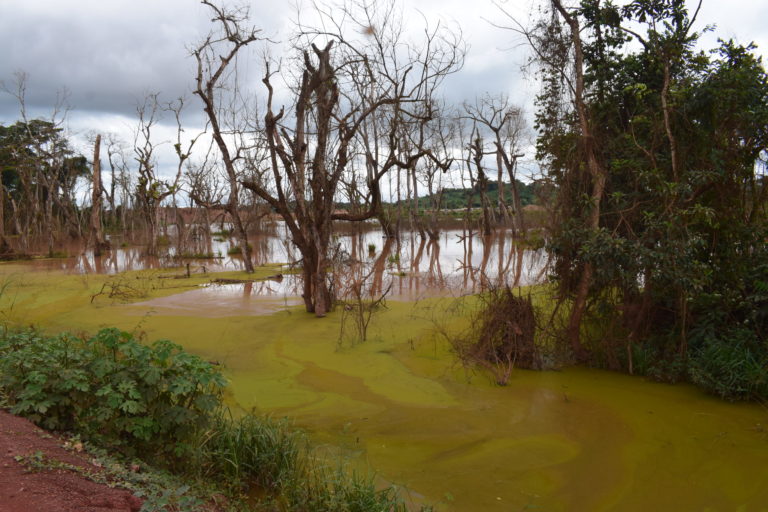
{"x": 576, "y": 439}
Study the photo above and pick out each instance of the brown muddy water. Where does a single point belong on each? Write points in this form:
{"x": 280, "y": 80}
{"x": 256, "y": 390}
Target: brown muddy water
{"x": 409, "y": 268}
{"x": 569, "y": 440}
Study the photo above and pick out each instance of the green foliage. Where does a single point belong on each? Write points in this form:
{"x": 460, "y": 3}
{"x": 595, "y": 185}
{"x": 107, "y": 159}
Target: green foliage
{"x": 251, "y": 451}
{"x": 110, "y": 388}
{"x": 39, "y": 145}
{"x": 338, "y": 490}
{"x": 271, "y": 456}
{"x": 235, "y": 250}
{"x": 732, "y": 365}
{"x": 681, "y": 137}
{"x": 456, "y": 198}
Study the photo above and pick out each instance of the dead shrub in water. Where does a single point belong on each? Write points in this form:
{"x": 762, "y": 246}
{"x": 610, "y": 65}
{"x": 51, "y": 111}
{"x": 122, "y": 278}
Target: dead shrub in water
{"x": 501, "y": 334}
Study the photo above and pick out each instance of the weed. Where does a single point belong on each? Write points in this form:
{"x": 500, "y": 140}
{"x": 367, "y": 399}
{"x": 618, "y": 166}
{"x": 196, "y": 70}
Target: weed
{"x": 110, "y": 388}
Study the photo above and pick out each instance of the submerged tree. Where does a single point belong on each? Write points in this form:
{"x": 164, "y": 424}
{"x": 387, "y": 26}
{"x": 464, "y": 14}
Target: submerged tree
{"x": 226, "y": 110}
{"x": 503, "y": 122}
{"x": 96, "y": 234}
{"x": 348, "y": 82}
{"x": 40, "y": 174}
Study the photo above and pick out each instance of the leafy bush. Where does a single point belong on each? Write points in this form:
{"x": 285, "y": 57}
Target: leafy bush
{"x": 731, "y": 366}
{"x": 235, "y": 250}
{"x": 110, "y": 388}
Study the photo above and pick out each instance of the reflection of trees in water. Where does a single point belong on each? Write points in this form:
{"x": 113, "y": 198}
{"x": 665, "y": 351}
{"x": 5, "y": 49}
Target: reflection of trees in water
{"x": 509, "y": 268}
{"x": 435, "y": 271}
{"x": 460, "y": 261}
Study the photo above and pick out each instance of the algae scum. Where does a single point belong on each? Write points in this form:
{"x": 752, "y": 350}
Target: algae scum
{"x": 570, "y": 440}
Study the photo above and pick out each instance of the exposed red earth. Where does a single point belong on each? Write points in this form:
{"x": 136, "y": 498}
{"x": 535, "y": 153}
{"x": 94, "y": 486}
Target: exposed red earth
{"x": 24, "y": 489}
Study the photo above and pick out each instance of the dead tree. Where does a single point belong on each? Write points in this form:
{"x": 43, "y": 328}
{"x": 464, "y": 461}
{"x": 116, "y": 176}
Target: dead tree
{"x": 214, "y": 56}
{"x": 504, "y": 123}
{"x": 475, "y": 156}
{"x": 346, "y": 84}
{"x": 96, "y": 236}
{"x": 441, "y": 136}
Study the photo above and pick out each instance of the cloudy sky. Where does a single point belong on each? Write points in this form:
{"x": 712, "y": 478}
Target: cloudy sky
{"x": 107, "y": 54}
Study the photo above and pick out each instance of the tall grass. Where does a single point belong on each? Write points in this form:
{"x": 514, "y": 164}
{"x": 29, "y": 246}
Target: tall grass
{"x": 251, "y": 451}
{"x": 270, "y": 458}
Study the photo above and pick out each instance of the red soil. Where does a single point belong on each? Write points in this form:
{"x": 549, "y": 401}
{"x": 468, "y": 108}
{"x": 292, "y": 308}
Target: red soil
{"x": 50, "y": 490}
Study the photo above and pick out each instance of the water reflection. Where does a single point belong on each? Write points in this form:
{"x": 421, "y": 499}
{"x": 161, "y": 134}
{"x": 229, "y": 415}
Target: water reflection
{"x": 409, "y": 268}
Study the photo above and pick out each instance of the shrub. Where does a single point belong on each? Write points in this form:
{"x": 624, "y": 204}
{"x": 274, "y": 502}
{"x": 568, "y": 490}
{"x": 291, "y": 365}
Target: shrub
{"x": 235, "y": 250}
{"x": 338, "y": 490}
{"x": 110, "y": 388}
{"x": 731, "y": 366}
{"x": 501, "y": 334}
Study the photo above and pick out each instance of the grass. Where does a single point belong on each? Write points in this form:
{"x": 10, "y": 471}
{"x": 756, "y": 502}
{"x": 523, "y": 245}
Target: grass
{"x": 270, "y": 458}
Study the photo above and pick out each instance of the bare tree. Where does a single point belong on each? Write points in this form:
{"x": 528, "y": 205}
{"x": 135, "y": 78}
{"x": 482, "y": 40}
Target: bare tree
{"x": 475, "y": 153}
{"x": 214, "y": 56}
{"x": 358, "y": 79}
{"x": 205, "y": 187}
{"x": 496, "y": 114}
{"x": 151, "y": 190}
{"x": 119, "y": 193}
{"x": 96, "y": 235}
{"x": 441, "y": 136}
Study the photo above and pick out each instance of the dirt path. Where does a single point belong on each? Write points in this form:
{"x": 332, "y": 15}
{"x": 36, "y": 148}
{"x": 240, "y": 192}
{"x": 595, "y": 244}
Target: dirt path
{"x": 50, "y": 490}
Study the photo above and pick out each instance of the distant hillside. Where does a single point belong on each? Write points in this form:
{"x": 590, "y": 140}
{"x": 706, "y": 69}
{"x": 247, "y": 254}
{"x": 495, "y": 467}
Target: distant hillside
{"x": 454, "y": 198}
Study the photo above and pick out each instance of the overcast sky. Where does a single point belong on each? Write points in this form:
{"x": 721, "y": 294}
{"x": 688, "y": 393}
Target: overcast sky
{"x": 109, "y": 53}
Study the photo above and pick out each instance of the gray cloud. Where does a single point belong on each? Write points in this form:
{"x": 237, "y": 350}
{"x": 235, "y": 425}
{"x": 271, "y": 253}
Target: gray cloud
{"x": 109, "y": 53}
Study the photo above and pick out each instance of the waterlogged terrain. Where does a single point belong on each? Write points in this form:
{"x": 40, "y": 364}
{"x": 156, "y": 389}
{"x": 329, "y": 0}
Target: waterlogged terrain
{"x": 574, "y": 439}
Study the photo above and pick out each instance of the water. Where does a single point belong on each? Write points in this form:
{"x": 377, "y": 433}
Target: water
{"x": 408, "y": 268}
{"x": 570, "y": 440}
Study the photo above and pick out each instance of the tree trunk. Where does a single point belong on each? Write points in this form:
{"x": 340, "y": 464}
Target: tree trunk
{"x": 501, "y": 200}
{"x": 49, "y": 222}
{"x": 152, "y": 223}
{"x": 242, "y": 237}
{"x": 598, "y": 180}
{"x": 486, "y": 204}
{"x": 97, "y": 237}
{"x": 5, "y": 249}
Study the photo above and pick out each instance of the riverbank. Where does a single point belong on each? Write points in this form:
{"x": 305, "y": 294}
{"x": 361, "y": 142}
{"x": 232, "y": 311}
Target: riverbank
{"x": 35, "y": 474}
